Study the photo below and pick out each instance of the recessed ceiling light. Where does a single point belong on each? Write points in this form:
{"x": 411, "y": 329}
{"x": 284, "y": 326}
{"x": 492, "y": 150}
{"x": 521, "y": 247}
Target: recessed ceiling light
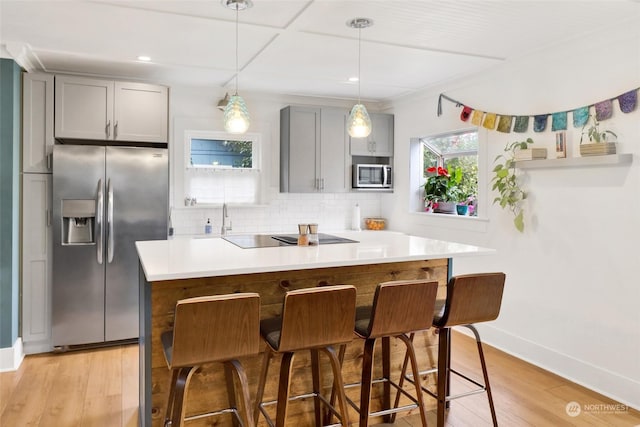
{"x": 353, "y": 79}
{"x": 144, "y": 58}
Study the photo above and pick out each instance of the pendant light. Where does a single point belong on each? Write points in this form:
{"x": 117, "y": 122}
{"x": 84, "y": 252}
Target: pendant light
{"x": 359, "y": 123}
{"x": 236, "y": 115}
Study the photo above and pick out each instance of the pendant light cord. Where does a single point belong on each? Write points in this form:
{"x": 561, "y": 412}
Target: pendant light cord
{"x": 237, "y": 69}
{"x": 359, "y": 55}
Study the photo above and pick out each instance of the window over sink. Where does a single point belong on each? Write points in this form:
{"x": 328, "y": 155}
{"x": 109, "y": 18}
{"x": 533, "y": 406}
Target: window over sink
{"x": 222, "y": 168}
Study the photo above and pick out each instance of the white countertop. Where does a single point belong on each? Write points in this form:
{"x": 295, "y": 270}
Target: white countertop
{"x": 207, "y": 257}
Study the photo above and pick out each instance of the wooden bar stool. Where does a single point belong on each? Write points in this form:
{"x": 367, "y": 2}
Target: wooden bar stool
{"x": 471, "y": 298}
{"x": 399, "y": 307}
{"x": 220, "y": 328}
{"x": 312, "y": 319}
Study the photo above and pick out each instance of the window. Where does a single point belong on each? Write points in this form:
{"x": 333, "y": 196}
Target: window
{"x": 222, "y": 168}
{"x": 221, "y": 153}
{"x": 454, "y": 152}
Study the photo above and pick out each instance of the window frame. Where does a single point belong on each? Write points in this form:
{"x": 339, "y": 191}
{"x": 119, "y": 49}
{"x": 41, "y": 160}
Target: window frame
{"x": 417, "y": 180}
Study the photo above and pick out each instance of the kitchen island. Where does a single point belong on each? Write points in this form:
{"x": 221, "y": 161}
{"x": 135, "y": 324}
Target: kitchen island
{"x": 182, "y": 268}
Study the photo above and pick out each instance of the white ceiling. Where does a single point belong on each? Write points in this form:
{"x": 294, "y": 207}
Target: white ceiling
{"x": 299, "y": 47}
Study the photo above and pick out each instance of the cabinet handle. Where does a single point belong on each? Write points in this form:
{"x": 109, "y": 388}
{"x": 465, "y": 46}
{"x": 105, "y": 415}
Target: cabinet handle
{"x": 115, "y": 130}
{"x": 49, "y": 161}
{"x": 322, "y": 183}
{"x": 373, "y": 146}
{"x": 108, "y": 129}
{"x": 48, "y": 213}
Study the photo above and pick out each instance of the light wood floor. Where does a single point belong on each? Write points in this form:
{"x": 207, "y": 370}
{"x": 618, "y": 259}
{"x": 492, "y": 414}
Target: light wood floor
{"x": 100, "y": 388}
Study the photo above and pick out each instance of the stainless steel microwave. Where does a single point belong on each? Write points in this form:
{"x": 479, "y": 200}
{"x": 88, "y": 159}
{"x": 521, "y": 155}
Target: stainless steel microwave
{"x": 371, "y": 176}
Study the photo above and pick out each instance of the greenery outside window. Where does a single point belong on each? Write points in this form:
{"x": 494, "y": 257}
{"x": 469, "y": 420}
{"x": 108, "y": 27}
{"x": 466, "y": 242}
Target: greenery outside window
{"x": 207, "y": 150}
{"x": 222, "y": 168}
{"x": 457, "y": 153}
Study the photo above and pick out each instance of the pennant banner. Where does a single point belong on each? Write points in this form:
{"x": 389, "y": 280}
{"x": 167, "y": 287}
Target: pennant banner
{"x": 603, "y": 110}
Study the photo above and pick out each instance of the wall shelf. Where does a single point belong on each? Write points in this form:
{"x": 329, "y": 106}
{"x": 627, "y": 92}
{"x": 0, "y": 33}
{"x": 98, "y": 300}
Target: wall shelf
{"x": 606, "y": 160}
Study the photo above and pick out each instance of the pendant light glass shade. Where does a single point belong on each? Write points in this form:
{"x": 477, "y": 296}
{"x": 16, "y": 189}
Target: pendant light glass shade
{"x": 236, "y": 115}
{"x": 359, "y": 123}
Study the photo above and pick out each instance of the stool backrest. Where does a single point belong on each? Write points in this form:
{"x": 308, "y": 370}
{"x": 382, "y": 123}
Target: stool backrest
{"x": 402, "y": 306}
{"x": 215, "y": 328}
{"x": 473, "y": 298}
{"x": 318, "y": 317}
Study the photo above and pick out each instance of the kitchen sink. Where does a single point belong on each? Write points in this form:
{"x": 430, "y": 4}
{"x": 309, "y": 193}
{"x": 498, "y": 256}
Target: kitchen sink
{"x": 248, "y": 241}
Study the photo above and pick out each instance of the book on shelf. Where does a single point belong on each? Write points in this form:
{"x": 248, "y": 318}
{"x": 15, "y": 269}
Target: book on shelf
{"x": 530, "y": 154}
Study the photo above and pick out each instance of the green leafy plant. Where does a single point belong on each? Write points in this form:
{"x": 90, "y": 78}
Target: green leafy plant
{"x": 505, "y": 181}
{"x": 593, "y": 131}
{"x": 442, "y": 185}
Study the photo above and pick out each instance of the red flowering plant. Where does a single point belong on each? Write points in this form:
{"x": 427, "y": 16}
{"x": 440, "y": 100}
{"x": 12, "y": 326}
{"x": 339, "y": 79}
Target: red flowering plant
{"x": 442, "y": 186}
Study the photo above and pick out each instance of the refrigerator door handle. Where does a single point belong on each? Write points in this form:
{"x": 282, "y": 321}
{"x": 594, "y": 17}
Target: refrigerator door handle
{"x": 99, "y": 210}
{"x": 109, "y": 222}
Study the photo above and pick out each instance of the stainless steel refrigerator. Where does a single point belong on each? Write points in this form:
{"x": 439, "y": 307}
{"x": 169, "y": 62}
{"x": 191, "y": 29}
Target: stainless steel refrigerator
{"x": 104, "y": 199}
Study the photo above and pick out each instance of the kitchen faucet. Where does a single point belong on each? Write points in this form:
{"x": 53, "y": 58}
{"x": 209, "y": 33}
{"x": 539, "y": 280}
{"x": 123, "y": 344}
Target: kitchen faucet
{"x": 225, "y": 216}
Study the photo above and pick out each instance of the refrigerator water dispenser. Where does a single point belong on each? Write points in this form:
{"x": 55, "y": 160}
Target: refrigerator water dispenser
{"x": 78, "y": 220}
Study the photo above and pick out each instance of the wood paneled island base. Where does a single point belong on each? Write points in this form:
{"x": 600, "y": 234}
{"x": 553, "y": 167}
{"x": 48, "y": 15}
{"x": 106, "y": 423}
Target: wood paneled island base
{"x": 207, "y": 390}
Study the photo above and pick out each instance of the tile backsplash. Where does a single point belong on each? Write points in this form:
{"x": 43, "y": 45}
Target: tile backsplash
{"x": 331, "y": 211}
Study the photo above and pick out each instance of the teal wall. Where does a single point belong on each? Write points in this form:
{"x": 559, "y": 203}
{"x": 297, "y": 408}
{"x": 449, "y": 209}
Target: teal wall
{"x": 10, "y": 107}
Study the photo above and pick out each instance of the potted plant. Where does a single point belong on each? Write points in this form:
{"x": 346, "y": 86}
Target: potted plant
{"x": 441, "y": 189}
{"x": 600, "y": 141}
{"x": 505, "y": 181}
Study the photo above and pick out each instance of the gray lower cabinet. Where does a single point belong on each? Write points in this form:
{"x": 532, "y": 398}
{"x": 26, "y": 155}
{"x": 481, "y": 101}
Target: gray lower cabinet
{"x": 380, "y": 142}
{"x": 37, "y": 248}
{"x": 313, "y": 150}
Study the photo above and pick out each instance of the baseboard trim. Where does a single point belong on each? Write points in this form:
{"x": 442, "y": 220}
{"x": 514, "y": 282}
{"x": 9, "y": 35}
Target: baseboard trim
{"x": 607, "y": 383}
{"x": 11, "y": 357}
{"x": 37, "y": 347}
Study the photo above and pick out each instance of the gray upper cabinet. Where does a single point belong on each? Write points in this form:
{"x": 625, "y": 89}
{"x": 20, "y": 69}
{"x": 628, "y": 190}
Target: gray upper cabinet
{"x": 313, "y": 150}
{"x": 380, "y": 142}
{"x": 98, "y": 109}
{"x": 37, "y": 122}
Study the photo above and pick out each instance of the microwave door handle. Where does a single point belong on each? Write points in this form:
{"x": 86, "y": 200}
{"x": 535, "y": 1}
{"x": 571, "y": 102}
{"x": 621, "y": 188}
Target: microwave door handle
{"x": 109, "y": 222}
{"x": 99, "y": 213}
{"x": 385, "y": 179}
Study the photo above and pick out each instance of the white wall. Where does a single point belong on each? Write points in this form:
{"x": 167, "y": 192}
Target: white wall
{"x": 195, "y": 108}
{"x": 572, "y": 298}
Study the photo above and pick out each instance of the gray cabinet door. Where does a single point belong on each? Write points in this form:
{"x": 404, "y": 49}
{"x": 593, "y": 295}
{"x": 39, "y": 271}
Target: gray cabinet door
{"x": 83, "y": 108}
{"x": 380, "y": 142}
{"x": 334, "y": 169}
{"x": 141, "y": 112}
{"x": 300, "y": 145}
{"x": 37, "y": 122}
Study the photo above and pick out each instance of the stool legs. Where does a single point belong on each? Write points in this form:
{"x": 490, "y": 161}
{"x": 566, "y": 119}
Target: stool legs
{"x": 263, "y": 381}
{"x": 485, "y": 374}
{"x": 179, "y": 381}
{"x": 285, "y": 383}
{"x": 444, "y": 374}
{"x": 234, "y": 367}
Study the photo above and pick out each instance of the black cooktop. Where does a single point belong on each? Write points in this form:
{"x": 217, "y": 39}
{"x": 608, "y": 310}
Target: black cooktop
{"x": 249, "y": 241}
